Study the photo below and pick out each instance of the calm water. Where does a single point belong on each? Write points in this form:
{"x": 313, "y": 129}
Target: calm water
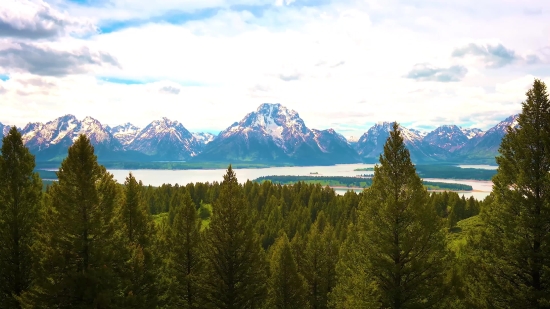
{"x": 182, "y": 177}
{"x": 481, "y": 166}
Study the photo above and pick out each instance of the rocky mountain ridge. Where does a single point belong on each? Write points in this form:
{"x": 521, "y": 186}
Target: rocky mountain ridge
{"x": 271, "y": 134}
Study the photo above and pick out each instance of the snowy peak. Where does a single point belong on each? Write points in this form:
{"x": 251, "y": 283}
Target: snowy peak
{"x": 274, "y": 133}
{"x": 203, "y": 137}
{"x": 124, "y": 133}
{"x": 274, "y": 121}
{"x": 503, "y": 126}
{"x": 165, "y": 139}
{"x": 378, "y": 134}
{"x": 3, "y": 132}
{"x": 322, "y": 136}
{"x": 471, "y": 133}
{"x": 448, "y": 137}
{"x": 94, "y": 130}
{"x": 4, "y": 129}
{"x": 63, "y": 131}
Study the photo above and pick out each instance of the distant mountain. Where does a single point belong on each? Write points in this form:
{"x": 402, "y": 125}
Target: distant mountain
{"x": 203, "y": 138}
{"x": 272, "y": 134}
{"x": 50, "y": 141}
{"x": 4, "y": 129}
{"x": 450, "y": 137}
{"x": 483, "y": 148}
{"x": 471, "y": 133}
{"x": 275, "y": 134}
{"x": 371, "y": 144}
{"x": 125, "y": 133}
{"x": 165, "y": 140}
{"x": 335, "y": 146}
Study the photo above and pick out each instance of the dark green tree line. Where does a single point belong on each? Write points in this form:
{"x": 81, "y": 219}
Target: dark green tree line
{"x": 20, "y": 201}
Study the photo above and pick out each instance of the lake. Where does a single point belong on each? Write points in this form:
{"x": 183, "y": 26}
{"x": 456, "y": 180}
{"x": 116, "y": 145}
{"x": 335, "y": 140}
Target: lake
{"x": 183, "y": 177}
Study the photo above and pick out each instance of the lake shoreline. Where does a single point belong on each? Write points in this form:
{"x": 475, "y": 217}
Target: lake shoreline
{"x": 438, "y": 190}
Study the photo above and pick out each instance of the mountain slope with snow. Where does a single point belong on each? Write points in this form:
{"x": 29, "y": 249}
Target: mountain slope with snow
{"x": 125, "y": 133}
{"x": 275, "y": 134}
{"x": 4, "y": 129}
{"x": 484, "y": 146}
{"x": 272, "y": 134}
{"x": 50, "y": 141}
{"x": 165, "y": 139}
{"x": 371, "y": 144}
{"x": 449, "y": 137}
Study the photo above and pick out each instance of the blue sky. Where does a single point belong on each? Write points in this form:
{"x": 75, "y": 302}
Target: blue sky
{"x": 343, "y": 64}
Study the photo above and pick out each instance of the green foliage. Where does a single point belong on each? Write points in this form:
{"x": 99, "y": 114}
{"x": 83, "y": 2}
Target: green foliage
{"x": 515, "y": 246}
{"x": 453, "y": 172}
{"x": 235, "y": 268}
{"x": 287, "y": 288}
{"x": 353, "y": 182}
{"x": 318, "y": 262}
{"x": 183, "y": 264}
{"x": 20, "y": 199}
{"x": 364, "y": 169}
{"x": 291, "y": 242}
{"x": 77, "y": 248}
{"x": 138, "y": 234}
{"x": 405, "y": 251}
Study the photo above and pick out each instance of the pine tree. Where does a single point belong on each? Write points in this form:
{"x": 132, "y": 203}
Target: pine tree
{"x": 78, "y": 250}
{"x": 183, "y": 264}
{"x": 400, "y": 255}
{"x": 319, "y": 262}
{"x": 20, "y": 198}
{"x": 234, "y": 261}
{"x": 516, "y": 243}
{"x": 138, "y": 234}
{"x": 287, "y": 288}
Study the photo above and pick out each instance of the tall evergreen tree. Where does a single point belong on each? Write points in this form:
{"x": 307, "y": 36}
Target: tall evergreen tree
{"x": 183, "y": 263}
{"x": 287, "y": 288}
{"x": 402, "y": 258}
{"x": 235, "y": 264}
{"x": 78, "y": 250}
{"x": 319, "y": 262}
{"x": 20, "y": 197}
{"x": 516, "y": 243}
{"x": 138, "y": 235}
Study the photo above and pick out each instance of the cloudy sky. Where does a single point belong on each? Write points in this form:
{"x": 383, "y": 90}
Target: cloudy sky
{"x": 341, "y": 64}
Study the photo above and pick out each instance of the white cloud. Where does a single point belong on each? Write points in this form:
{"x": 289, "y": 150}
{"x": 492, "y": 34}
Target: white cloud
{"x": 35, "y": 19}
{"x": 337, "y": 65}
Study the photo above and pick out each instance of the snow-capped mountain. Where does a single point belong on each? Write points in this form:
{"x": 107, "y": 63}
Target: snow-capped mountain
{"x": 335, "y": 144}
{"x": 165, "y": 139}
{"x": 4, "y": 129}
{"x": 65, "y": 129}
{"x": 125, "y": 133}
{"x": 274, "y": 133}
{"x": 204, "y": 137}
{"x": 484, "y": 146}
{"x": 450, "y": 137}
{"x": 371, "y": 144}
{"x": 471, "y": 133}
{"x": 270, "y": 134}
{"x": 51, "y": 140}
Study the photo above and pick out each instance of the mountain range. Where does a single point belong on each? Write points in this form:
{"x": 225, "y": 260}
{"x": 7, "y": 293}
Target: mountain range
{"x": 272, "y": 134}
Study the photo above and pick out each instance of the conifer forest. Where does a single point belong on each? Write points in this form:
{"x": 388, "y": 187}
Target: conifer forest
{"x": 86, "y": 241}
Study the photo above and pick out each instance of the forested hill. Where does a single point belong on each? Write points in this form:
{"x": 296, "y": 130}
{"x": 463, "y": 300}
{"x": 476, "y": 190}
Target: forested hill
{"x": 353, "y": 182}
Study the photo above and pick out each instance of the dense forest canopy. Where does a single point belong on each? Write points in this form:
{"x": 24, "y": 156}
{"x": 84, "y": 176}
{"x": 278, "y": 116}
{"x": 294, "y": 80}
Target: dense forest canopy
{"x": 90, "y": 242}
